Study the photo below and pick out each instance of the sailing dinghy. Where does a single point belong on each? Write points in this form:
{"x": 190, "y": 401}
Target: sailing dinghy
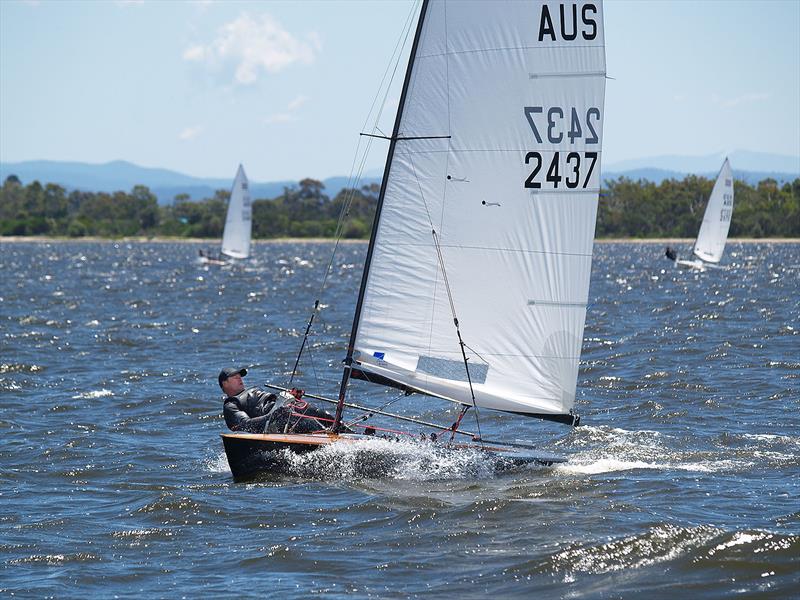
{"x": 238, "y": 224}
{"x": 710, "y": 243}
{"x": 476, "y": 277}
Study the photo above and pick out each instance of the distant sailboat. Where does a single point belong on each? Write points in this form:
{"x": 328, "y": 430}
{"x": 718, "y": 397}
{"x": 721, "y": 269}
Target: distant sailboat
{"x": 710, "y": 243}
{"x": 476, "y": 278}
{"x": 238, "y": 224}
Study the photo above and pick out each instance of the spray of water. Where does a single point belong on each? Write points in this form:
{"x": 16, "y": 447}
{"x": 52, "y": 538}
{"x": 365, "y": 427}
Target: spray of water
{"x": 395, "y": 459}
{"x": 410, "y": 460}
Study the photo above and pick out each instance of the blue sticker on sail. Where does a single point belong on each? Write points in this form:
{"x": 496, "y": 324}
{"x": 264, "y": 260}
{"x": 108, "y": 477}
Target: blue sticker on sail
{"x": 379, "y": 355}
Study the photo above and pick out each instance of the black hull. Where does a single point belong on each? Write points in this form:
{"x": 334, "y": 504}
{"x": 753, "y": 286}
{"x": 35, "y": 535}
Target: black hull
{"x": 252, "y": 454}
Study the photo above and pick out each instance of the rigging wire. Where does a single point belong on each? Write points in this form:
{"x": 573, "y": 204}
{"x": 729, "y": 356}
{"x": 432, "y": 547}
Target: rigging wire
{"x": 458, "y": 332}
{"x": 461, "y": 343}
{"x": 368, "y": 414}
{"x": 352, "y": 180}
{"x": 391, "y": 415}
{"x": 440, "y": 256}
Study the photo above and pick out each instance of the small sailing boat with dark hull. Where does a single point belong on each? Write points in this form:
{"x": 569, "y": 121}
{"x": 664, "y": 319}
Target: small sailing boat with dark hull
{"x": 710, "y": 243}
{"x": 251, "y": 454}
{"x": 476, "y": 278}
{"x": 238, "y": 225}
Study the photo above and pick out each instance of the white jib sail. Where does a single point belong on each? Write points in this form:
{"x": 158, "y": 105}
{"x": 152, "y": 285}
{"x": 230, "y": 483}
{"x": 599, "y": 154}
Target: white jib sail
{"x": 238, "y": 223}
{"x": 512, "y": 195}
{"x": 713, "y": 234}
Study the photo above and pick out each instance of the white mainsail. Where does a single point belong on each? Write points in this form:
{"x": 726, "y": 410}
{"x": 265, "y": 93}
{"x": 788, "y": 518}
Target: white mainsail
{"x": 495, "y": 163}
{"x": 238, "y": 223}
{"x": 713, "y": 234}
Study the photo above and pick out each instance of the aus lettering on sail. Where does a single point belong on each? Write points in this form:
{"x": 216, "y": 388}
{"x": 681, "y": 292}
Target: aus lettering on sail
{"x": 566, "y": 22}
{"x": 564, "y": 141}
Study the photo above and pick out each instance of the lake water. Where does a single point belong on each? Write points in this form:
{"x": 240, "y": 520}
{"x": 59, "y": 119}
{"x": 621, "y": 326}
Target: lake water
{"x": 684, "y": 477}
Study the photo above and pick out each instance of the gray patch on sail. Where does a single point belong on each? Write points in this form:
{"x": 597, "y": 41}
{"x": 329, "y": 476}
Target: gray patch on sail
{"x": 452, "y": 369}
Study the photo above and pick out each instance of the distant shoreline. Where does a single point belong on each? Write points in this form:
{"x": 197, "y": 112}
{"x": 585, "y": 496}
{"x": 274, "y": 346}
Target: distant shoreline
{"x": 691, "y": 240}
{"x": 212, "y": 242}
{"x": 215, "y": 242}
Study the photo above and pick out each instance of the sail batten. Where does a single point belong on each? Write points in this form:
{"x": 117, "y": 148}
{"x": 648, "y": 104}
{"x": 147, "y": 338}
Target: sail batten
{"x": 512, "y": 197}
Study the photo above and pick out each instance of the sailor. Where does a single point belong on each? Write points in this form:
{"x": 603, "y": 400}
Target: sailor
{"x": 256, "y": 411}
{"x": 671, "y": 254}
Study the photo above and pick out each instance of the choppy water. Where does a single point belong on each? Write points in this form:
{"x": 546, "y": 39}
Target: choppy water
{"x": 684, "y": 478}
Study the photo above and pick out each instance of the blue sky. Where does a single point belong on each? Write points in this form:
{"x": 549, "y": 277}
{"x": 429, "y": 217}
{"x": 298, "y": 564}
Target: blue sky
{"x": 285, "y": 87}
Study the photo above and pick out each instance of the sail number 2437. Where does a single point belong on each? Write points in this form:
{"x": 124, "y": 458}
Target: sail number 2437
{"x": 559, "y": 126}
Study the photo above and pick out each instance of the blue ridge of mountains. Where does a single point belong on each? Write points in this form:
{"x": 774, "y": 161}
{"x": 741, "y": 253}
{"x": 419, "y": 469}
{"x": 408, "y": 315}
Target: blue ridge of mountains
{"x": 117, "y": 175}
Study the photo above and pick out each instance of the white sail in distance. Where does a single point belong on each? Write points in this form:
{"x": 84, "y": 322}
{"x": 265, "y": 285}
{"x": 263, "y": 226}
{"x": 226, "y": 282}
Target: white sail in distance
{"x": 239, "y": 220}
{"x": 495, "y": 165}
{"x": 713, "y": 233}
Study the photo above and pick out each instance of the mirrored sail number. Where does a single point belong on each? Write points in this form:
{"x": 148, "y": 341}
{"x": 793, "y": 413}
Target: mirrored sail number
{"x": 558, "y": 123}
{"x": 575, "y": 165}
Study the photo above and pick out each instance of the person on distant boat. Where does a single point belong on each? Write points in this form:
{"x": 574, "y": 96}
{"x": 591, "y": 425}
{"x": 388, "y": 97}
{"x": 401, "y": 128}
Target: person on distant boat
{"x": 671, "y": 254}
{"x": 255, "y": 411}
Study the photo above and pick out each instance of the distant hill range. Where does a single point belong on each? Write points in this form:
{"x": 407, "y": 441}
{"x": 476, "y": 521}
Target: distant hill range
{"x": 751, "y": 167}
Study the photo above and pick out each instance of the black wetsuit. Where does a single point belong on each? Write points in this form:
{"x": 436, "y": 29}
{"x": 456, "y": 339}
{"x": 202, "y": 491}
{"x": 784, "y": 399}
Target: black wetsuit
{"x": 255, "y": 411}
{"x": 249, "y": 410}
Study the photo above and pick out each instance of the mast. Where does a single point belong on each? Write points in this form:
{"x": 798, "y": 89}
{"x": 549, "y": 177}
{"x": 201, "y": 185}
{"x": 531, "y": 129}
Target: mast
{"x": 392, "y": 143}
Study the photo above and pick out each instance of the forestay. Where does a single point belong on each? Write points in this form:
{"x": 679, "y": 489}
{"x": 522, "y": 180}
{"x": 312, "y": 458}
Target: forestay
{"x": 238, "y": 223}
{"x": 511, "y": 192}
{"x": 713, "y": 234}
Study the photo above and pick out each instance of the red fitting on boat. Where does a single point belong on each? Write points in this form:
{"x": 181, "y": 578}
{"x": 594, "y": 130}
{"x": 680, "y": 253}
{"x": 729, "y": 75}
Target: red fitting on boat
{"x": 298, "y": 405}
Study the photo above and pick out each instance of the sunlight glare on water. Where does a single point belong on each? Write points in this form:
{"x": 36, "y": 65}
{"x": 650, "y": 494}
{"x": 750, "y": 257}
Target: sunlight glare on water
{"x": 687, "y": 462}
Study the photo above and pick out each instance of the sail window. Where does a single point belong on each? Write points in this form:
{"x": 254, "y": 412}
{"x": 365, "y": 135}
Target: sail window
{"x": 451, "y": 369}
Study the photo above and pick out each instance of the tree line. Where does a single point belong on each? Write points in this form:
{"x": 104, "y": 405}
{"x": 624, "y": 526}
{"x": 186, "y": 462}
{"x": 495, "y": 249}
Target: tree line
{"x": 674, "y": 208}
{"x": 640, "y": 209}
{"x": 304, "y": 211}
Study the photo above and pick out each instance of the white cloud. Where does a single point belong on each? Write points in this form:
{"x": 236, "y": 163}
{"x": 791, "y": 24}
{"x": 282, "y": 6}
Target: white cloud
{"x": 279, "y": 118}
{"x": 288, "y": 115}
{"x": 297, "y": 102}
{"x": 194, "y": 53}
{"x": 744, "y": 99}
{"x": 252, "y": 45}
{"x": 201, "y": 6}
{"x": 190, "y": 133}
